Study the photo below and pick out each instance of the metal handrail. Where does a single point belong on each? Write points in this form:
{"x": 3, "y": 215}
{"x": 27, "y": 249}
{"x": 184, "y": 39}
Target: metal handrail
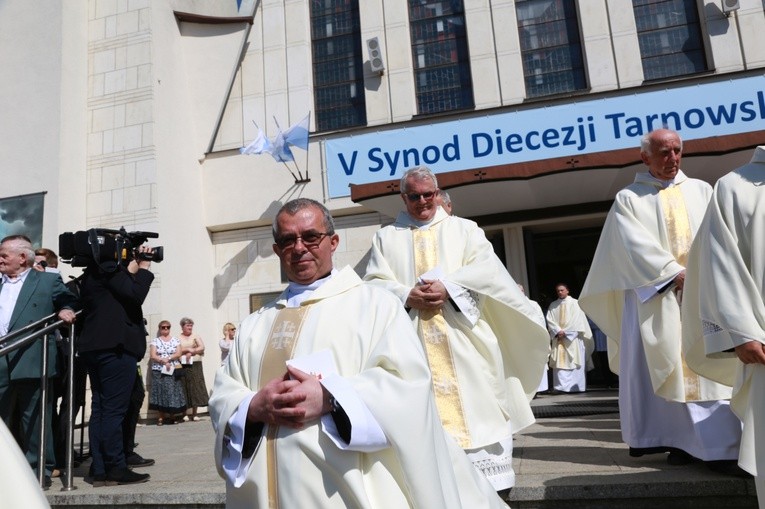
{"x": 17, "y": 339}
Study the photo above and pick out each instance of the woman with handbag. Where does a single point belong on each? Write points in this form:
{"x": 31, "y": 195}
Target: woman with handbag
{"x": 166, "y": 395}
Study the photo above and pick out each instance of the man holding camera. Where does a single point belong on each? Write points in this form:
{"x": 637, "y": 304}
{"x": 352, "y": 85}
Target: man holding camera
{"x": 112, "y": 341}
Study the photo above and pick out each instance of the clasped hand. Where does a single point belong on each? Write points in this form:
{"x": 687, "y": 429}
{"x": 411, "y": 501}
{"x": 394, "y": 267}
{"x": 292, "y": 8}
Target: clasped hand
{"x": 431, "y": 294}
{"x": 289, "y": 401}
{"x": 751, "y": 352}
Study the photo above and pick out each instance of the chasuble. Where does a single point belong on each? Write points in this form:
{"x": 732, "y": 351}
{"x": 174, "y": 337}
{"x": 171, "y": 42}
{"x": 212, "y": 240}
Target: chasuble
{"x": 724, "y": 303}
{"x": 491, "y": 350}
{"x": 379, "y": 365}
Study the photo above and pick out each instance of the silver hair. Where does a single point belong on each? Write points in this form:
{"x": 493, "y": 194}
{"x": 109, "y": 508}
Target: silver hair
{"x": 645, "y": 141}
{"x": 445, "y": 198}
{"x": 21, "y": 244}
{"x": 186, "y": 320}
{"x": 293, "y": 206}
{"x": 417, "y": 173}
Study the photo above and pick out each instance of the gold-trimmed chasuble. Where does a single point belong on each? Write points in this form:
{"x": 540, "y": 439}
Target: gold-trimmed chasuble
{"x": 680, "y": 239}
{"x": 282, "y": 339}
{"x": 435, "y": 337}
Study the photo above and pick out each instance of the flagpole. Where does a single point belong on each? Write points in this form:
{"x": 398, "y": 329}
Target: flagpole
{"x": 293, "y": 159}
{"x": 297, "y": 181}
{"x": 285, "y": 164}
{"x": 306, "y": 150}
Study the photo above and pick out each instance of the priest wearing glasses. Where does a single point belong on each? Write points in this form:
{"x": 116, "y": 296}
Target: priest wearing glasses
{"x": 485, "y": 348}
{"x": 325, "y": 399}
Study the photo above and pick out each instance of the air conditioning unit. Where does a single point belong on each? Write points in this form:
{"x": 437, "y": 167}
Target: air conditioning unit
{"x": 375, "y": 55}
{"x": 729, "y": 6}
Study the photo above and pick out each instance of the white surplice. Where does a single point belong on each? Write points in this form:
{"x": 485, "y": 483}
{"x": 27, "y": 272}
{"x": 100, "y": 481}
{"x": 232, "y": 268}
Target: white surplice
{"x": 499, "y": 359}
{"x": 625, "y": 295}
{"x": 724, "y": 302}
{"x": 381, "y": 361}
{"x": 570, "y": 358}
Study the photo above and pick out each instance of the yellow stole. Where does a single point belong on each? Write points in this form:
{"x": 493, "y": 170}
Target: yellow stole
{"x": 680, "y": 238}
{"x": 435, "y": 337}
{"x": 282, "y": 339}
{"x": 562, "y": 361}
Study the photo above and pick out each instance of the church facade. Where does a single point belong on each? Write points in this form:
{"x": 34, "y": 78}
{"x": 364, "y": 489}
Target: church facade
{"x": 132, "y": 113}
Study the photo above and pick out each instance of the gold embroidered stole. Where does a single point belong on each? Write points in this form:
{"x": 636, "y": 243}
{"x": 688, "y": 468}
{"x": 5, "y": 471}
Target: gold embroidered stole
{"x": 562, "y": 361}
{"x": 435, "y": 338}
{"x": 679, "y": 236}
{"x": 282, "y": 339}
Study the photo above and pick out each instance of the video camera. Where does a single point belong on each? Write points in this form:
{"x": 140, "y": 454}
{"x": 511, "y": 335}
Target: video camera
{"x": 107, "y": 248}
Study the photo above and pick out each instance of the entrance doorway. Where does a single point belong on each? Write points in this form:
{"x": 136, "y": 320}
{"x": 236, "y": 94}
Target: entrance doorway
{"x": 558, "y": 257}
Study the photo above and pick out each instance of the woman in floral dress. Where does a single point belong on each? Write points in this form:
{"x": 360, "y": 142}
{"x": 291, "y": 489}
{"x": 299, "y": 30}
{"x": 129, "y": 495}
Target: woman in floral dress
{"x": 166, "y": 396}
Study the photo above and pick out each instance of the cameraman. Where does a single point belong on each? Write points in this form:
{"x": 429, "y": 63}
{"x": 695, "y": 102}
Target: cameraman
{"x": 112, "y": 341}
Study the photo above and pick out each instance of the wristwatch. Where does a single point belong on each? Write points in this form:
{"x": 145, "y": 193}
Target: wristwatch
{"x": 334, "y": 406}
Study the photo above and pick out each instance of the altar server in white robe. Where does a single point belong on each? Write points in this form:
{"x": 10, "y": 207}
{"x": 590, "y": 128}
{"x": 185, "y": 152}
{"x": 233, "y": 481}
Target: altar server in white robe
{"x": 724, "y": 310}
{"x": 572, "y": 343}
{"x": 633, "y": 292}
{"x": 485, "y": 349}
{"x": 325, "y": 399}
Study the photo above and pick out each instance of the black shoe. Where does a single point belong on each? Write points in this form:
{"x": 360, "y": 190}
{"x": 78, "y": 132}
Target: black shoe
{"x": 136, "y": 460}
{"x": 96, "y": 480}
{"x": 637, "y": 452}
{"x": 125, "y": 476}
{"x": 47, "y": 483}
{"x": 679, "y": 457}
{"x": 728, "y": 467}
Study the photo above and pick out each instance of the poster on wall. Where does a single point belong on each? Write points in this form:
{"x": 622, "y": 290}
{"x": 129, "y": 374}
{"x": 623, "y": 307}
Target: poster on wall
{"x": 22, "y": 215}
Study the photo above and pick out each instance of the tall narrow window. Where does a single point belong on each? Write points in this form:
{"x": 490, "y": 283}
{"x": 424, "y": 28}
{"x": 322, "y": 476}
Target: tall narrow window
{"x": 670, "y": 38}
{"x": 551, "y": 48}
{"x": 440, "y": 54}
{"x": 338, "y": 78}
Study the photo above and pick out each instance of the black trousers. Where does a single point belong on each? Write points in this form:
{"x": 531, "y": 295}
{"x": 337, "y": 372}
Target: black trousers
{"x": 133, "y": 413}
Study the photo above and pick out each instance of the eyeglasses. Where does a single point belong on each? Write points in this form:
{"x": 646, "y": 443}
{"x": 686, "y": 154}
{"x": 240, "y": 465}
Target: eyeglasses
{"x": 416, "y": 196}
{"x": 309, "y": 239}
{"x": 164, "y": 327}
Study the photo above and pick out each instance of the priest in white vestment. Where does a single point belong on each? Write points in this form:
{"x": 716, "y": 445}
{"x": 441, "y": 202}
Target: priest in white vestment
{"x": 572, "y": 343}
{"x": 724, "y": 310}
{"x": 633, "y": 292}
{"x": 325, "y": 399}
{"x": 485, "y": 349}
{"x": 539, "y": 317}
{"x": 18, "y": 485}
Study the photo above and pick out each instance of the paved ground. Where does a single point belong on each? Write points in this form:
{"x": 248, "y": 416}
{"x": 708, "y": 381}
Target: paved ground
{"x": 571, "y": 457}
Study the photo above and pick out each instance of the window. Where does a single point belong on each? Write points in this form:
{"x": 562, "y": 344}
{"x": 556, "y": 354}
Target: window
{"x": 338, "y": 78}
{"x": 550, "y": 47}
{"x": 440, "y": 54}
{"x": 670, "y": 38}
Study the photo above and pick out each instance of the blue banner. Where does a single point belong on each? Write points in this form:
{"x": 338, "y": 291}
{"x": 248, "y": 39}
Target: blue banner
{"x": 589, "y": 126}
